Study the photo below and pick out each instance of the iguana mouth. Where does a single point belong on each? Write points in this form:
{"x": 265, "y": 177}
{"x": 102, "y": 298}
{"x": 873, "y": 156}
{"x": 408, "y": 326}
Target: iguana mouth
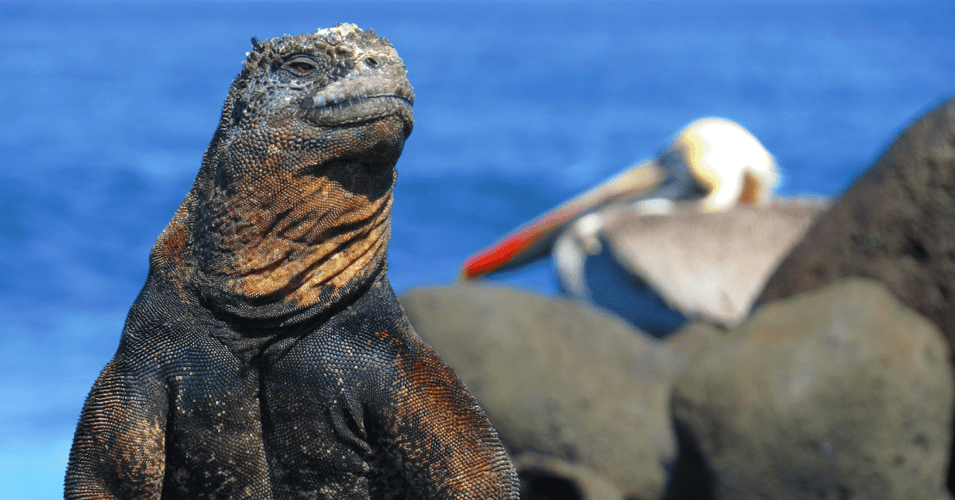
{"x": 359, "y": 110}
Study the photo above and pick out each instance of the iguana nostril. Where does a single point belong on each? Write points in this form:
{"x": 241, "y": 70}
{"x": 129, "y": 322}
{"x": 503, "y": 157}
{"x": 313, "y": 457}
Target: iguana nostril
{"x": 371, "y": 62}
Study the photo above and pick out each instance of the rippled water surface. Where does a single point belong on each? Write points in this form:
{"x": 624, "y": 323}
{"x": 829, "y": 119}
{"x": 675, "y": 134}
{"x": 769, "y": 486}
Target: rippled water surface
{"x": 107, "y": 108}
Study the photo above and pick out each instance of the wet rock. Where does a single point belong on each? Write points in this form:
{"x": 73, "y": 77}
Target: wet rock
{"x": 841, "y": 392}
{"x": 557, "y": 378}
{"x": 660, "y": 270}
{"x": 895, "y": 224}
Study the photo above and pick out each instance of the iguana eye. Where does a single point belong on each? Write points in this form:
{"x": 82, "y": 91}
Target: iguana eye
{"x": 300, "y": 66}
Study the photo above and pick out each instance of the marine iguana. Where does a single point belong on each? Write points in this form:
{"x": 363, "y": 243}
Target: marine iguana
{"x": 267, "y": 355}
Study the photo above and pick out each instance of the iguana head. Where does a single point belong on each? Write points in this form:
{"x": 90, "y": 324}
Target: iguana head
{"x": 334, "y": 77}
{"x": 291, "y": 209}
{"x": 335, "y": 95}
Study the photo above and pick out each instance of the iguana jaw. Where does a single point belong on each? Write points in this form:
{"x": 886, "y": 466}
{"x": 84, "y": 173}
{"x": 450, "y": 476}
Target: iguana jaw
{"x": 332, "y": 112}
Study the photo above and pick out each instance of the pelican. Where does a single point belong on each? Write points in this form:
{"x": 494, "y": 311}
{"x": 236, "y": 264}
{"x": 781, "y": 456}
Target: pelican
{"x": 712, "y": 165}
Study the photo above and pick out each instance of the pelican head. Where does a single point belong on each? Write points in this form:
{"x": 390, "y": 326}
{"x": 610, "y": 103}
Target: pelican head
{"x": 725, "y": 162}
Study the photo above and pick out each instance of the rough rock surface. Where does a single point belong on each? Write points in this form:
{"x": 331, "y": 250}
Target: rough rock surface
{"x": 688, "y": 343}
{"x": 548, "y": 478}
{"x": 837, "y": 393}
{"x": 895, "y": 224}
{"x": 558, "y": 378}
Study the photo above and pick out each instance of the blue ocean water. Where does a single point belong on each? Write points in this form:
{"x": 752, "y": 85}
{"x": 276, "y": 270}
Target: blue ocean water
{"x": 107, "y": 108}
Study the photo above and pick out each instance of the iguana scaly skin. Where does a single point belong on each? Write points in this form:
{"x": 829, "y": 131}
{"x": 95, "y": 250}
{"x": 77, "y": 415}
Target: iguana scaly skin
{"x": 267, "y": 355}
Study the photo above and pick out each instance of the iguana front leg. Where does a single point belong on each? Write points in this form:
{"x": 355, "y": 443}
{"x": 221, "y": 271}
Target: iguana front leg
{"x": 440, "y": 439}
{"x": 118, "y": 450}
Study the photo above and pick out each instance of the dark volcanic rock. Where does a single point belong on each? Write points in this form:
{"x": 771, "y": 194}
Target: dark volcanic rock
{"x": 837, "y": 393}
{"x": 895, "y": 224}
{"x": 558, "y": 378}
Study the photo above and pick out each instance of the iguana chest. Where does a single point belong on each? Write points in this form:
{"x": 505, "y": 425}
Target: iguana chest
{"x": 287, "y": 426}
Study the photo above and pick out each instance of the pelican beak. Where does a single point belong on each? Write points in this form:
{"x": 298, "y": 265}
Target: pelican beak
{"x": 534, "y": 239}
